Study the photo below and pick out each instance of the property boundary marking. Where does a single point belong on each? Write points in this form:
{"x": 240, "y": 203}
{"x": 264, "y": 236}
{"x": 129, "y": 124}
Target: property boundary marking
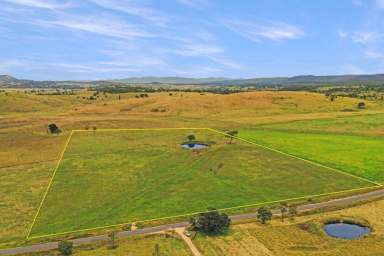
{"x": 50, "y": 183}
{"x": 196, "y": 213}
{"x": 376, "y": 185}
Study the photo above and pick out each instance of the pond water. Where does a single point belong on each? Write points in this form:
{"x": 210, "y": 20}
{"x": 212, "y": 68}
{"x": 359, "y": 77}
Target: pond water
{"x": 346, "y": 230}
{"x": 194, "y": 145}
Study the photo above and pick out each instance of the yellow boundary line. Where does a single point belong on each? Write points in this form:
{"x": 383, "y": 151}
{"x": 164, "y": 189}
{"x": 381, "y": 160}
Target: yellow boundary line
{"x": 139, "y": 129}
{"x": 196, "y": 213}
{"x": 376, "y": 185}
{"x": 50, "y": 183}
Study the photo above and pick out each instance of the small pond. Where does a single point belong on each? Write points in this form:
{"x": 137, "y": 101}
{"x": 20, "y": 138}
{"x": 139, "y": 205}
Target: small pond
{"x": 346, "y": 230}
{"x": 194, "y": 145}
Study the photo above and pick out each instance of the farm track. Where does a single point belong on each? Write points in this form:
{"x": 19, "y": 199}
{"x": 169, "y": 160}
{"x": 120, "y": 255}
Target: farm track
{"x": 340, "y": 202}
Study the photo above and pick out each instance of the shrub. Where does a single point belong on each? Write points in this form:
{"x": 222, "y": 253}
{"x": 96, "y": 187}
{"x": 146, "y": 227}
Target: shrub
{"x": 264, "y": 214}
{"x": 65, "y": 248}
{"x": 53, "y": 129}
{"x": 361, "y": 105}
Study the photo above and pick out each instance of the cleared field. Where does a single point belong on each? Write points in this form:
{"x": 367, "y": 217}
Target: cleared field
{"x": 125, "y": 176}
{"x": 355, "y": 154}
{"x": 287, "y": 239}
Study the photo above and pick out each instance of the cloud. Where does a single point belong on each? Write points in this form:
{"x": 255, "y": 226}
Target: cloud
{"x": 10, "y": 63}
{"x": 129, "y": 8}
{"x": 275, "y": 31}
{"x": 362, "y": 37}
{"x": 380, "y": 3}
{"x": 197, "y": 50}
{"x": 42, "y": 4}
{"x": 373, "y": 54}
{"x": 357, "y": 2}
{"x": 198, "y": 4}
{"x": 226, "y": 62}
{"x": 107, "y": 26}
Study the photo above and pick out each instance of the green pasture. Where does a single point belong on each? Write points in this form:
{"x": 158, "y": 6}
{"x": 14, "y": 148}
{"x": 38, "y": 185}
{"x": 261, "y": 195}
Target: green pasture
{"x": 360, "y": 155}
{"x": 112, "y": 177}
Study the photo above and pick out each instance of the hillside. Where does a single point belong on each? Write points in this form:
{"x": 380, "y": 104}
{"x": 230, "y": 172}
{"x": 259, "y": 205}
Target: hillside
{"x": 284, "y": 82}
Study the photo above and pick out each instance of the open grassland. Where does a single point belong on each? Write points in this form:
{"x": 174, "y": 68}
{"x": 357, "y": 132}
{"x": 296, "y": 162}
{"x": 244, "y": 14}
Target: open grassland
{"x": 114, "y": 177}
{"x": 286, "y": 238}
{"x": 168, "y": 244}
{"x": 21, "y": 190}
{"x": 356, "y": 154}
{"x": 27, "y": 150}
{"x": 369, "y": 125}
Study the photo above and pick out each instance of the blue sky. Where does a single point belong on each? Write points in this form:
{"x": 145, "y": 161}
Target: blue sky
{"x": 101, "y": 39}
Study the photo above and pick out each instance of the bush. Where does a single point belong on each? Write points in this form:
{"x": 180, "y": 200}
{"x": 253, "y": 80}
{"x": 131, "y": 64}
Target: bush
{"x": 54, "y": 129}
{"x": 65, "y": 248}
{"x": 361, "y": 105}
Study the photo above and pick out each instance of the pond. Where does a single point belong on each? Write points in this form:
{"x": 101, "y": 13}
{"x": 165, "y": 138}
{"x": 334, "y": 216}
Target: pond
{"x": 346, "y": 230}
{"x": 194, "y": 145}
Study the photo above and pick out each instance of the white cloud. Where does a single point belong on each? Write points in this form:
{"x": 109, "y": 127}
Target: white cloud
{"x": 226, "y": 62}
{"x": 105, "y": 26}
{"x": 357, "y": 2}
{"x": 133, "y": 9}
{"x": 366, "y": 37}
{"x": 275, "y": 31}
{"x": 373, "y": 54}
{"x": 10, "y": 63}
{"x": 362, "y": 37}
{"x": 380, "y": 3}
{"x": 197, "y": 50}
{"x": 43, "y": 4}
{"x": 342, "y": 34}
{"x": 195, "y": 3}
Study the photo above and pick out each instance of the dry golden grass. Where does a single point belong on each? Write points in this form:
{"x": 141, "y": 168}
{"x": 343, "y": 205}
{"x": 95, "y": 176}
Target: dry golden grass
{"x": 144, "y": 245}
{"x": 287, "y": 238}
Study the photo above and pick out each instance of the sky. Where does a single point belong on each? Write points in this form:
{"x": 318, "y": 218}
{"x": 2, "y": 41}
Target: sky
{"x": 107, "y": 39}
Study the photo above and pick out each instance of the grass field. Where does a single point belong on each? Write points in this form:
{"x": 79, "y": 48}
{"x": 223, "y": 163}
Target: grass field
{"x": 28, "y": 153}
{"x": 360, "y": 155}
{"x": 287, "y": 239}
{"x": 114, "y": 177}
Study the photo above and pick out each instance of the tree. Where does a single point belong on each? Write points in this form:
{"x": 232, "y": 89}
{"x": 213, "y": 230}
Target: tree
{"x": 211, "y": 222}
{"x": 53, "y": 129}
{"x": 292, "y": 210}
{"x": 361, "y": 105}
{"x": 283, "y": 210}
{"x": 191, "y": 137}
{"x": 264, "y": 214}
{"x": 113, "y": 240}
{"x": 231, "y": 134}
{"x": 65, "y": 248}
{"x": 157, "y": 250}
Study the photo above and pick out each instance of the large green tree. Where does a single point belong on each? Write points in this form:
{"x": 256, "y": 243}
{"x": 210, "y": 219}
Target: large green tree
{"x": 211, "y": 222}
{"x": 264, "y": 214}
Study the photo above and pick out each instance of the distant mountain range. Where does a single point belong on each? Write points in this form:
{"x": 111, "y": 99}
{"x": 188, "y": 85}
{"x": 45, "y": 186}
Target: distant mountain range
{"x": 9, "y": 81}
